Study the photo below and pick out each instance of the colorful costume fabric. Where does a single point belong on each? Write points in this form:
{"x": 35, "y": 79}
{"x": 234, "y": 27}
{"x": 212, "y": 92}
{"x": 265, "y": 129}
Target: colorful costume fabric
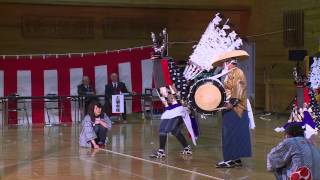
{"x": 167, "y": 78}
{"x": 235, "y": 84}
{"x": 304, "y": 114}
{"x": 305, "y": 109}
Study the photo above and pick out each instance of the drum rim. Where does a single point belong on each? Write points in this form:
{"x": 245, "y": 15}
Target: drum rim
{"x": 191, "y": 100}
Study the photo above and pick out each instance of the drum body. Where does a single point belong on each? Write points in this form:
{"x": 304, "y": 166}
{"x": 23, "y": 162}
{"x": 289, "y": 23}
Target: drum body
{"x": 207, "y": 95}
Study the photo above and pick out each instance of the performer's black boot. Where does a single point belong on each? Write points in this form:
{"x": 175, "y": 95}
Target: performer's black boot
{"x": 187, "y": 150}
{"x": 238, "y": 162}
{"x": 160, "y": 153}
{"x": 229, "y": 164}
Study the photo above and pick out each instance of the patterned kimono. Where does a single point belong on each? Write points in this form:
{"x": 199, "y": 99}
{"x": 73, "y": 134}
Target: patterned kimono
{"x": 236, "y": 87}
{"x": 88, "y": 133}
{"x": 236, "y": 141}
{"x": 292, "y": 153}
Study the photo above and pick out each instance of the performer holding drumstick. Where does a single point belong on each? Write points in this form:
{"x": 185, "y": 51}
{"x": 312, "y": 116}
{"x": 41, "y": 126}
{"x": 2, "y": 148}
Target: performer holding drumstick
{"x": 220, "y": 45}
{"x": 236, "y": 141}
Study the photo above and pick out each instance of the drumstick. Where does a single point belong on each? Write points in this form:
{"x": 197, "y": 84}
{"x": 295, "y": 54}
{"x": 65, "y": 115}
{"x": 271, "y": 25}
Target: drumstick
{"x": 219, "y": 109}
{"x": 162, "y": 99}
{"x": 221, "y": 74}
{"x": 158, "y": 93}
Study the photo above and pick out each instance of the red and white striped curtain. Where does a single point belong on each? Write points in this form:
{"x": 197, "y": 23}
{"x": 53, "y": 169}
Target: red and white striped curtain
{"x": 61, "y": 75}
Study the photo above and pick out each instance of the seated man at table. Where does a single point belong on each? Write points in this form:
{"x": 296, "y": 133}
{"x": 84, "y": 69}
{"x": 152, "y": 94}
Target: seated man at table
{"x": 85, "y": 89}
{"x": 115, "y": 87}
{"x": 294, "y": 155}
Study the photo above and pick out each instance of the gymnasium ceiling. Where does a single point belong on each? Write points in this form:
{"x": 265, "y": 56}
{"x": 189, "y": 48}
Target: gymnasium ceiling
{"x": 194, "y": 4}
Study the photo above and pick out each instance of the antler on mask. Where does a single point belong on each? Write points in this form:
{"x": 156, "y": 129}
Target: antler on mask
{"x": 160, "y": 48}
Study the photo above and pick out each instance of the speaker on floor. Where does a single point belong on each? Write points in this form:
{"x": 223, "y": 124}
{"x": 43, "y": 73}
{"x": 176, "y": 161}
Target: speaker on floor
{"x": 297, "y": 55}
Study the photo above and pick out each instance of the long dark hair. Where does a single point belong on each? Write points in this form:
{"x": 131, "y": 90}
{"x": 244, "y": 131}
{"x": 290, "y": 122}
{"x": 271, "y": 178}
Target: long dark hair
{"x": 294, "y": 130}
{"x": 91, "y": 110}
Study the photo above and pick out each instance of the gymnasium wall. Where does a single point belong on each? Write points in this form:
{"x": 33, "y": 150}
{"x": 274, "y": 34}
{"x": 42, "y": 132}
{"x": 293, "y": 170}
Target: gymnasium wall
{"x": 31, "y": 28}
{"x": 274, "y": 81}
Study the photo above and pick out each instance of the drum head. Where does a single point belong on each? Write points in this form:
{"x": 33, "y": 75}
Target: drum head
{"x": 206, "y": 95}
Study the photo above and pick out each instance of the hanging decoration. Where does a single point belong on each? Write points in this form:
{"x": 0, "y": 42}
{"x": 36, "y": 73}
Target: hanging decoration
{"x": 69, "y": 54}
{"x": 315, "y": 73}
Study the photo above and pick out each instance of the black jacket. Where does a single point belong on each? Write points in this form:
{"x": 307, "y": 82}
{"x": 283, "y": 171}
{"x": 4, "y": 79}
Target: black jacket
{"x": 82, "y": 90}
{"x": 110, "y": 90}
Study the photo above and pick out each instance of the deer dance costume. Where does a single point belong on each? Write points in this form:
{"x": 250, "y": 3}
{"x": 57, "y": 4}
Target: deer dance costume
{"x": 305, "y": 108}
{"x": 172, "y": 89}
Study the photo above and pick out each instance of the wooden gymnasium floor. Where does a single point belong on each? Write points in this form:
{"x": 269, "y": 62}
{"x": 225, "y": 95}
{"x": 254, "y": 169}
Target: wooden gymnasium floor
{"x": 52, "y": 153}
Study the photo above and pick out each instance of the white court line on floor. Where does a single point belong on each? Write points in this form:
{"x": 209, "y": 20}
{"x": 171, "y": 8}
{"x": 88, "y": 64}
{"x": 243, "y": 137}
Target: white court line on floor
{"x": 76, "y": 157}
{"x": 161, "y": 164}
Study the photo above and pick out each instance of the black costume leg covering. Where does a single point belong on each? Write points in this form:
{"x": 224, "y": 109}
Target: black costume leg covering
{"x": 162, "y": 141}
{"x": 177, "y": 133}
{"x": 181, "y": 139}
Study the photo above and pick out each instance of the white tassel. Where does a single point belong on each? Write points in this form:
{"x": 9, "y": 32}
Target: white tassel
{"x": 191, "y": 71}
{"x": 279, "y": 129}
{"x": 213, "y": 42}
{"x": 309, "y": 131}
{"x": 252, "y": 124}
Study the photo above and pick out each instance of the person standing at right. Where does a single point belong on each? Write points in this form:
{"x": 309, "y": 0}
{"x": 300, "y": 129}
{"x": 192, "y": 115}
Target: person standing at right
{"x": 236, "y": 142}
